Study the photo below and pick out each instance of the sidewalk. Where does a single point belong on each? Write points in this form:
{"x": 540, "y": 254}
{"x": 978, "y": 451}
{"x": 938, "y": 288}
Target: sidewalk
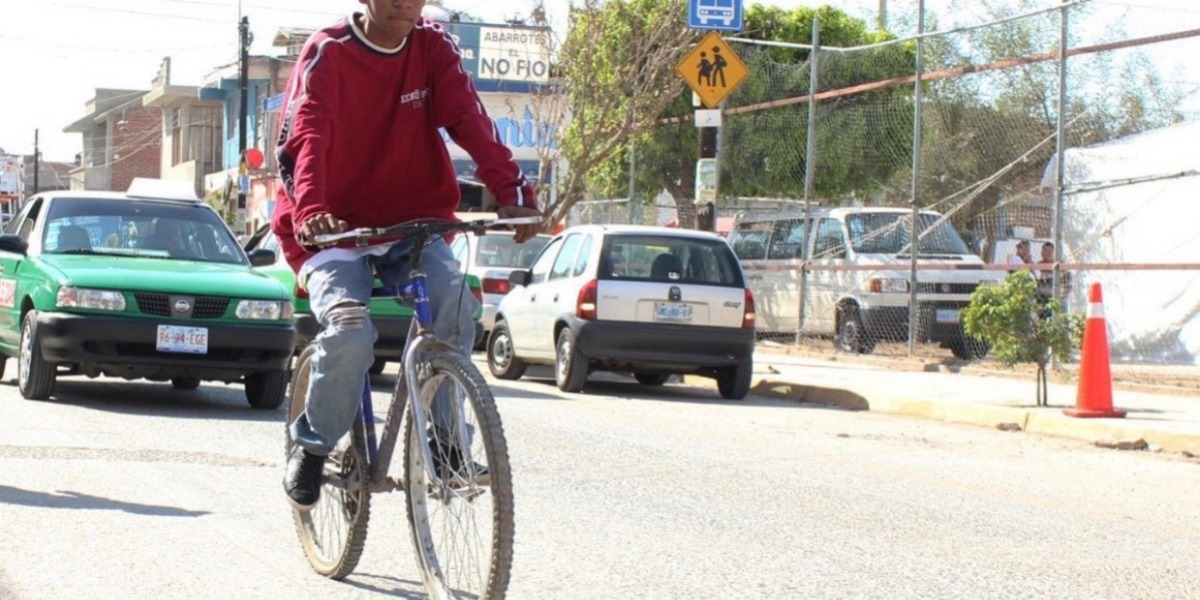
{"x": 1167, "y": 422}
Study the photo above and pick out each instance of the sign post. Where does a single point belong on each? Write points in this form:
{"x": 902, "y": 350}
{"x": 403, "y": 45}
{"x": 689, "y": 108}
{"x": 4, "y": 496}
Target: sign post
{"x": 713, "y": 70}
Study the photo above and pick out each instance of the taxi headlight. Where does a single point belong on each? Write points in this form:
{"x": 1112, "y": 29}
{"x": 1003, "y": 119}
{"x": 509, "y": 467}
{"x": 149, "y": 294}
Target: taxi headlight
{"x": 266, "y": 310}
{"x": 73, "y": 297}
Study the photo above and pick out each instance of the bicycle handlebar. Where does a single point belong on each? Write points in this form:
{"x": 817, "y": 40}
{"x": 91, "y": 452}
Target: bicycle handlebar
{"x": 428, "y": 228}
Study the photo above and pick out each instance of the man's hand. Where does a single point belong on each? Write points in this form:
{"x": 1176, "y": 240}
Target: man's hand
{"x": 319, "y": 224}
{"x": 522, "y": 233}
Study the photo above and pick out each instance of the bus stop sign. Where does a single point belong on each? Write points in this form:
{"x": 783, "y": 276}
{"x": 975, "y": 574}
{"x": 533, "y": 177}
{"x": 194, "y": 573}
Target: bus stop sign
{"x": 725, "y": 15}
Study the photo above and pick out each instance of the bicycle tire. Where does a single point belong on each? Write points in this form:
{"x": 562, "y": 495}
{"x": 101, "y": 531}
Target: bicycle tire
{"x": 330, "y": 551}
{"x": 428, "y": 504}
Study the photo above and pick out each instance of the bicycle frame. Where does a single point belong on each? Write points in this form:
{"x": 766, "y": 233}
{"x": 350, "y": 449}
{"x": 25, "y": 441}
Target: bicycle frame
{"x": 380, "y": 451}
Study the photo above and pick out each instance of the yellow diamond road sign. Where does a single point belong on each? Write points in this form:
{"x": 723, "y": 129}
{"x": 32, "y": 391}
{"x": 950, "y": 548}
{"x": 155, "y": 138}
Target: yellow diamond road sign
{"x": 712, "y": 69}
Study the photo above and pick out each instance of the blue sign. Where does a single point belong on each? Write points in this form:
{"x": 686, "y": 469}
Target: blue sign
{"x": 725, "y": 15}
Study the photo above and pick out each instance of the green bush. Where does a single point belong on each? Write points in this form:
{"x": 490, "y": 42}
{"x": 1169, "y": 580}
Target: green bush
{"x": 1022, "y": 326}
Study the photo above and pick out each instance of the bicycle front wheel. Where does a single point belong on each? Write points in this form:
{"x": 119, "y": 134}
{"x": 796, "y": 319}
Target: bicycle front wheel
{"x": 460, "y": 509}
{"x": 334, "y": 531}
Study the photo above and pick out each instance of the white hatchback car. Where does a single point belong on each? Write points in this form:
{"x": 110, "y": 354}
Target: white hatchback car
{"x": 491, "y": 257}
{"x": 648, "y": 300}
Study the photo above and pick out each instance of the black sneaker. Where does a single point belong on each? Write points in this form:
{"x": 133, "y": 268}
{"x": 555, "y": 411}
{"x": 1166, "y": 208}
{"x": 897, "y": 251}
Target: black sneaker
{"x": 302, "y": 480}
{"x": 448, "y": 463}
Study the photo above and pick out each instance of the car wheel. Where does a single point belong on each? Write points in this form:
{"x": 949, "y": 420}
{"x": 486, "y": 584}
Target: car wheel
{"x": 378, "y": 366}
{"x": 570, "y": 367}
{"x": 266, "y": 390}
{"x": 851, "y": 335}
{"x": 734, "y": 382}
{"x": 969, "y": 348}
{"x": 651, "y": 378}
{"x": 184, "y": 382}
{"x": 503, "y": 362}
{"x": 35, "y": 376}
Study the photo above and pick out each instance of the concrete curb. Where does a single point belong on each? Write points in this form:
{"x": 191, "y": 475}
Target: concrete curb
{"x": 1043, "y": 420}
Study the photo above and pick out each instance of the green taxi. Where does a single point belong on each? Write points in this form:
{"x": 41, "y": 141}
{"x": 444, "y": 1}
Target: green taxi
{"x": 391, "y": 318}
{"x": 149, "y": 284}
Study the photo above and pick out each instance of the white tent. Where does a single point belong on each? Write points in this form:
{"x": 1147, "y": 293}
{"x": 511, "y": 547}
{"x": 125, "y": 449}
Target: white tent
{"x": 1136, "y": 200}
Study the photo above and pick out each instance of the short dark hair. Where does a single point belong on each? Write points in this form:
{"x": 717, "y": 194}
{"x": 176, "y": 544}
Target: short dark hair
{"x": 1049, "y": 245}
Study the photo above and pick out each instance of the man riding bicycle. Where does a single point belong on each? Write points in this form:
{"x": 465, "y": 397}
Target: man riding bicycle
{"x": 360, "y": 145}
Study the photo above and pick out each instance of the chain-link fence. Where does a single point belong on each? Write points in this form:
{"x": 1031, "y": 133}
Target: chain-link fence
{"x": 839, "y": 270}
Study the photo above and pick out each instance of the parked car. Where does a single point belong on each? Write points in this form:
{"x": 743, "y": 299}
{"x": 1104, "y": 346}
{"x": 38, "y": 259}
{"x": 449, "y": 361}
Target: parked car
{"x": 391, "y": 318}
{"x": 648, "y": 300}
{"x": 491, "y": 257}
{"x": 146, "y": 284}
{"x": 859, "y": 268}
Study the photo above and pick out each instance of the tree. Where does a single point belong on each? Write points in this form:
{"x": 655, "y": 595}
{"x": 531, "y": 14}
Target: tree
{"x": 618, "y": 71}
{"x": 1022, "y": 327}
{"x": 767, "y": 159}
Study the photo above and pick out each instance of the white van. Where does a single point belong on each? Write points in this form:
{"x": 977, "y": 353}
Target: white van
{"x": 857, "y": 284}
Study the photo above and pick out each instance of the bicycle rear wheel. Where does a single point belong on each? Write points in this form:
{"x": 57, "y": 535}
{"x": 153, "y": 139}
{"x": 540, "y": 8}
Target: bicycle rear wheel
{"x": 334, "y": 531}
{"x": 462, "y": 522}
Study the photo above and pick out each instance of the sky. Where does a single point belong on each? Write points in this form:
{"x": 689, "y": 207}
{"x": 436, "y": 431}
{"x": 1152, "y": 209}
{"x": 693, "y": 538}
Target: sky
{"x": 56, "y": 52}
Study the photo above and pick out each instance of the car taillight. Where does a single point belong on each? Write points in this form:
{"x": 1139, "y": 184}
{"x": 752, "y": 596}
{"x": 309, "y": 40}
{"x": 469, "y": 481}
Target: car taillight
{"x": 748, "y": 315}
{"x": 300, "y": 292}
{"x": 477, "y": 292}
{"x": 496, "y": 286}
{"x": 585, "y": 307}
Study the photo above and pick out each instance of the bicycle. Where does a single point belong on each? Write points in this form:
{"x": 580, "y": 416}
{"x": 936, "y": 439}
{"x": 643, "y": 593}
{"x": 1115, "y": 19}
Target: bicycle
{"x": 444, "y": 496}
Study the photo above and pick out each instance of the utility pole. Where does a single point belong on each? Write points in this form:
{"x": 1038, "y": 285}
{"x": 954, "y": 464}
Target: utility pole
{"x": 706, "y": 209}
{"x": 881, "y": 18}
{"x": 244, "y": 85}
{"x": 36, "y": 158}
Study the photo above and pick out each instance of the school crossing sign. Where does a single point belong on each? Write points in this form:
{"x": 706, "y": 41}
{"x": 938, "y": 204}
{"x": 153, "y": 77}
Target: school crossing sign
{"x": 712, "y": 69}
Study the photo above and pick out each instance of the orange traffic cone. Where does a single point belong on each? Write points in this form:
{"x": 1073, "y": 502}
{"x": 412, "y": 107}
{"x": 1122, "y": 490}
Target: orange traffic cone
{"x": 1095, "y": 376}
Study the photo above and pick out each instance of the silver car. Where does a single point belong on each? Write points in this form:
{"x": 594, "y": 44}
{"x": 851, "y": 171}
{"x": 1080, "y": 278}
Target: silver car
{"x": 650, "y": 301}
{"x": 491, "y": 257}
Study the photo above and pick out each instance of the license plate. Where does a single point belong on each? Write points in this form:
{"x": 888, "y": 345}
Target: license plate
{"x": 672, "y": 311}
{"x": 187, "y": 340}
{"x": 947, "y": 315}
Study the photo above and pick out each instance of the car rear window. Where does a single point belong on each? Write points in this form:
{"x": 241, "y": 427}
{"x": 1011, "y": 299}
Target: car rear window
{"x": 499, "y": 250}
{"x": 669, "y": 259}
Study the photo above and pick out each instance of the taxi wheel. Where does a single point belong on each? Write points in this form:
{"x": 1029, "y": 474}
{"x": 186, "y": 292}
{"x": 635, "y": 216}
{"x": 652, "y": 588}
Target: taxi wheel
{"x": 266, "y": 390}
{"x": 35, "y": 376}
{"x": 378, "y": 366}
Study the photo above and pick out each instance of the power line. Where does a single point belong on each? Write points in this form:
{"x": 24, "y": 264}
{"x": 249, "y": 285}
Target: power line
{"x": 130, "y": 11}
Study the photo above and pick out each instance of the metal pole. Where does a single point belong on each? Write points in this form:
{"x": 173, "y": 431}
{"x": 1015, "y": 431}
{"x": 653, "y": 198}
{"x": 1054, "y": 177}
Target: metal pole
{"x": 36, "y": 161}
{"x": 810, "y": 160}
{"x": 916, "y": 183}
{"x": 1061, "y": 147}
{"x": 244, "y": 85}
{"x": 632, "y": 172}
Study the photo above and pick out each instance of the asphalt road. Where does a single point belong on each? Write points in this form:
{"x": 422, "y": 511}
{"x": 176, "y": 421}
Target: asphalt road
{"x": 134, "y": 490}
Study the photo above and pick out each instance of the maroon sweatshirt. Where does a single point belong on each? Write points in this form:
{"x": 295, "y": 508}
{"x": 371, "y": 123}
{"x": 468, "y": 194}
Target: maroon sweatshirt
{"x": 360, "y": 138}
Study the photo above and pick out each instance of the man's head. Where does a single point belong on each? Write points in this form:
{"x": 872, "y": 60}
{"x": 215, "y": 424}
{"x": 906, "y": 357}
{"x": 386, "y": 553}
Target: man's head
{"x": 1048, "y": 252}
{"x": 388, "y": 22}
{"x": 1023, "y": 250}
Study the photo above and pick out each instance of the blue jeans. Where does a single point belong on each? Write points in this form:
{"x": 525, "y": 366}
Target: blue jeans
{"x": 345, "y": 347}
